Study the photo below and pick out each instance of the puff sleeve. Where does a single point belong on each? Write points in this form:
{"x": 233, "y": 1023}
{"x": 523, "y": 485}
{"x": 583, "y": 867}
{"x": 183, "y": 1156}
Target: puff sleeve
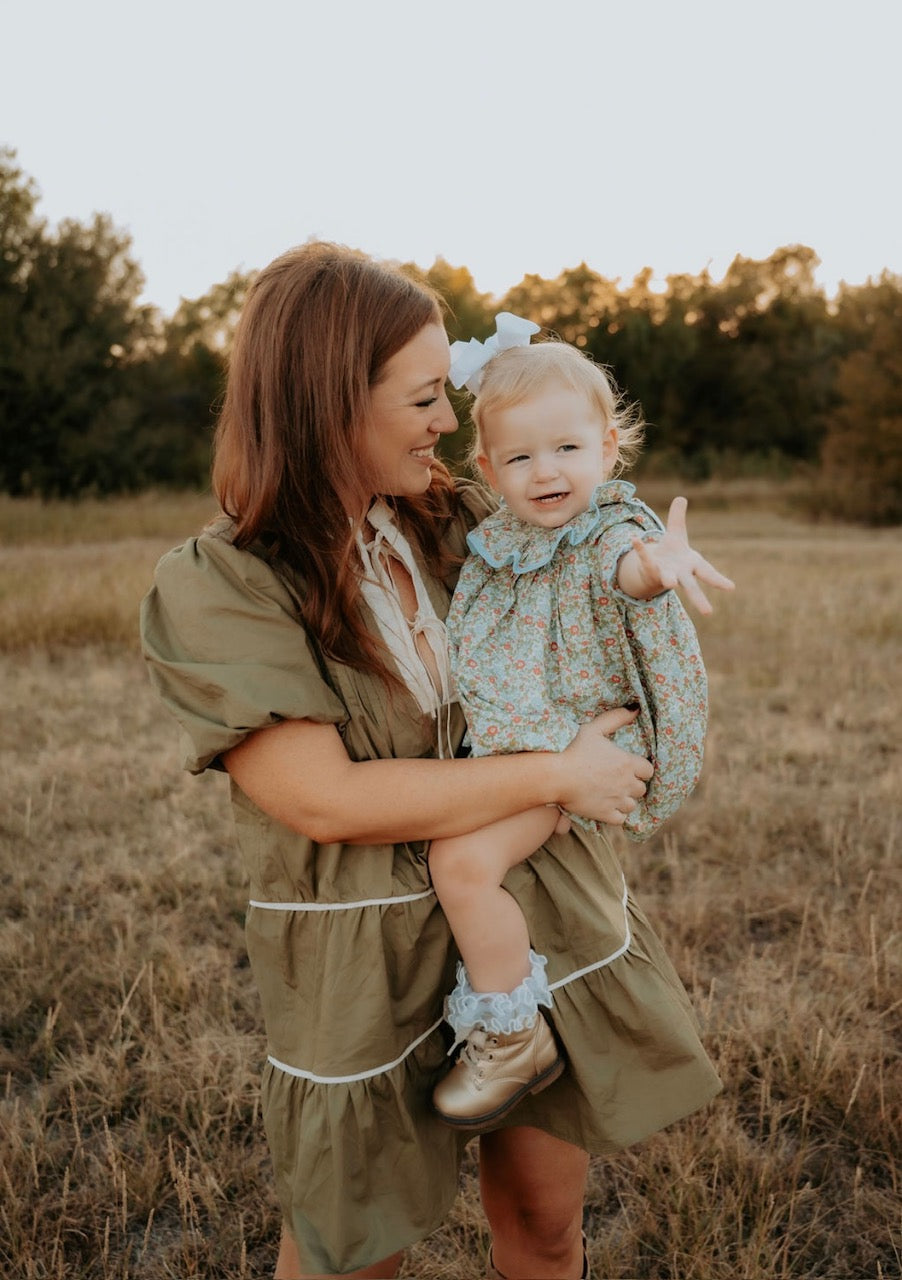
{"x": 661, "y": 658}
{"x": 226, "y": 650}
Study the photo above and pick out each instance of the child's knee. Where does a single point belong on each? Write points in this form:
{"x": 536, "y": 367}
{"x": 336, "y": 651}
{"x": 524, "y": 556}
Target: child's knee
{"x": 456, "y": 866}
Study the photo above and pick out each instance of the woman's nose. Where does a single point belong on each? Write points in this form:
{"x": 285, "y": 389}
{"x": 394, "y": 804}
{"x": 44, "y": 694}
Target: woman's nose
{"x": 444, "y": 421}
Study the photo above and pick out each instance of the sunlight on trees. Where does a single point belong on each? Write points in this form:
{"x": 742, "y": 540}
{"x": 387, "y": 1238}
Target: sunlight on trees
{"x": 756, "y": 373}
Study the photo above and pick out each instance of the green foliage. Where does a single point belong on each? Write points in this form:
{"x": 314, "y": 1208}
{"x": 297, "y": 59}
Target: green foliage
{"x": 468, "y": 313}
{"x": 862, "y": 460}
{"x": 757, "y": 373}
{"x": 97, "y": 395}
{"x": 740, "y": 367}
{"x": 70, "y": 323}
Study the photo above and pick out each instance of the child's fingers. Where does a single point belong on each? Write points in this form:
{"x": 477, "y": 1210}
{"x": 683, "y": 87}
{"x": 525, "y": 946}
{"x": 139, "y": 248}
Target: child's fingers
{"x": 714, "y": 577}
{"x": 694, "y": 594}
{"x": 676, "y": 516}
{"x": 702, "y": 571}
{"x": 654, "y": 566}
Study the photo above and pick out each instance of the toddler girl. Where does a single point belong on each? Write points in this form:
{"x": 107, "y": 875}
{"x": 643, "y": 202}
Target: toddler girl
{"x": 564, "y": 609}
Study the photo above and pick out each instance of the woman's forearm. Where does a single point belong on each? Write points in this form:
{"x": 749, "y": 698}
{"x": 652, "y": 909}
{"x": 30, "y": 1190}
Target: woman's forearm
{"x": 397, "y": 800}
{"x": 300, "y": 774}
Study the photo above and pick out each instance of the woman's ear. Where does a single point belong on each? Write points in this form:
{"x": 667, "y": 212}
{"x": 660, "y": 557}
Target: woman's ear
{"x": 482, "y": 461}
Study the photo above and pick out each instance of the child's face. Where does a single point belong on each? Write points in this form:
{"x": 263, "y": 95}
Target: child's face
{"x": 546, "y": 455}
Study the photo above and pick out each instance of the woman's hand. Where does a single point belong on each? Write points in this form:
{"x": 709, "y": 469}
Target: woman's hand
{"x": 602, "y": 781}
{"x": 660, "y": 565}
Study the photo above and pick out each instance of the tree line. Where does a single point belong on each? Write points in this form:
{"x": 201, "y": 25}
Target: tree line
{"x": 759, "y": 371}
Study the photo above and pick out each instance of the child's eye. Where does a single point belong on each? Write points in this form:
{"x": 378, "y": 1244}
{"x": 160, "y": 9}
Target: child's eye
{"x": 521, "y": 457}
{"x": 567, "y": 448}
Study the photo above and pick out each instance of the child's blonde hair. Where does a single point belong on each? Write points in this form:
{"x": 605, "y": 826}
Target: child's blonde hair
{"x": 515, "y": 374}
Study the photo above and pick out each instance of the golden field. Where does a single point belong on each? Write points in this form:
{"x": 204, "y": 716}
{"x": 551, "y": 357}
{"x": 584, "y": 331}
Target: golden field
{"x": 131, "y": 1144}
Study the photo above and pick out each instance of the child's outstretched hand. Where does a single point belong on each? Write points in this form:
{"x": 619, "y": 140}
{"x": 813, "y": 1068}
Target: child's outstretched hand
{"x": 653, "y": 567}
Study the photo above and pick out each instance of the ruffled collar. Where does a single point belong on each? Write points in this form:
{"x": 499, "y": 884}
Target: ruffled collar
{"x": 504, "y": 539}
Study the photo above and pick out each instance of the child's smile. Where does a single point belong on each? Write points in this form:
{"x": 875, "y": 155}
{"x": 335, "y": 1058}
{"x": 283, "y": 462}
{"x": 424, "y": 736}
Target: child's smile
{"x": 546, "y": 455}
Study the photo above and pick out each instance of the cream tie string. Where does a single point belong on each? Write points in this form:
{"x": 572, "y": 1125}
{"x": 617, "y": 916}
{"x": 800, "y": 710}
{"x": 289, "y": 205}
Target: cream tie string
{"x": 400, "y": 633}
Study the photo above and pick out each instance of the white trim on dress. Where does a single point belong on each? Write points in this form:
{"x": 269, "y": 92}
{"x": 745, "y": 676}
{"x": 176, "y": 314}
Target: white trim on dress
{"x": 340, "y": 906}
{"x": 389, "y": 1066}
{"x": 361, "y": 1075}
{"x": 600, "y": 964}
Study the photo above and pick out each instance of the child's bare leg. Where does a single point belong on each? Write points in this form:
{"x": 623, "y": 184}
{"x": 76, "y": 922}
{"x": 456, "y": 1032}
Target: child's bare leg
{"x": 488, "y": 925}
{"x": 509, "y": 1049}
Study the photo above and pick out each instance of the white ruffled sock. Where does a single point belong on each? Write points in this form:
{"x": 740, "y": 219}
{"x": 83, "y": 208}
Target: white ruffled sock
{"x": 499, "y": 1011}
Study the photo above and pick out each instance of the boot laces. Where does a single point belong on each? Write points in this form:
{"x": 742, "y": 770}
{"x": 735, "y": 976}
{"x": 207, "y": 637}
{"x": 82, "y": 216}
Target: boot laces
{"x": 478, "y": 1048}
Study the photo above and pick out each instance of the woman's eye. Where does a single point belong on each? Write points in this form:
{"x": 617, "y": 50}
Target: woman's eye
{"x": 424, "y": 404}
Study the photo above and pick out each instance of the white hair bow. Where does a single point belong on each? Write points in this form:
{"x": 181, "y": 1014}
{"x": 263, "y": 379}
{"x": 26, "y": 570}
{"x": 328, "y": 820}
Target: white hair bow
{"x": 468, "y": 359}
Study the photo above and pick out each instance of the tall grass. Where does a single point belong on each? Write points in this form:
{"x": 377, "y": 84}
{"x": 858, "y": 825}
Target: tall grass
{"x": 73, "y": 573}
{"x": 33, "y": 522}
{"x": 130, "y": 1037}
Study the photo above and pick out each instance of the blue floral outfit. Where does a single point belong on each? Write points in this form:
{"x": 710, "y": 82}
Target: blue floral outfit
{"x": 542, "y": 641}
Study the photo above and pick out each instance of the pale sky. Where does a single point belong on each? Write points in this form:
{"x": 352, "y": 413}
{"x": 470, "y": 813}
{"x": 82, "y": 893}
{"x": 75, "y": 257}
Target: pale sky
{"x": 507, "y": 136}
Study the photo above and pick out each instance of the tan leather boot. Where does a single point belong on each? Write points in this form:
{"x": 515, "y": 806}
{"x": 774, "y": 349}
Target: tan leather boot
{"x": 494, "y": 1071}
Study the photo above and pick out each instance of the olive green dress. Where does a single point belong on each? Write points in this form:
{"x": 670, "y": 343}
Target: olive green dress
{"x": 351, "y": 951}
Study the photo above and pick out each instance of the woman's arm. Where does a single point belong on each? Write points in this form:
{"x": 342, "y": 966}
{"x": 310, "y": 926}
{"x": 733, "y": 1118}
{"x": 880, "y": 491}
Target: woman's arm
{"x": 299, "y": 773}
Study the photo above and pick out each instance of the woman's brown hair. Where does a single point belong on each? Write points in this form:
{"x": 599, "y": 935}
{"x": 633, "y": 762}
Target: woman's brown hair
{"x": 318, "y": 327}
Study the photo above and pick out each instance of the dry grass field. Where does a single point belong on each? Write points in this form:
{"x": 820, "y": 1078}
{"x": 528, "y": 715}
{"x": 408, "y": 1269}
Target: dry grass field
{"x": 131, "y": 1144}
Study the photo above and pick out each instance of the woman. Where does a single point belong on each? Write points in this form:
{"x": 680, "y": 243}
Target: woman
{"x": 300, "y": 643}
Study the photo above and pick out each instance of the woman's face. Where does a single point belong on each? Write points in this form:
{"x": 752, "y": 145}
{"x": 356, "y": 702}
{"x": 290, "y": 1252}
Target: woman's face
{"x": 409, "y": 410}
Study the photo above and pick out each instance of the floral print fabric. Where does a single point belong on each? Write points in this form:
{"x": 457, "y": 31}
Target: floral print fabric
{"x": 543, "y": 641}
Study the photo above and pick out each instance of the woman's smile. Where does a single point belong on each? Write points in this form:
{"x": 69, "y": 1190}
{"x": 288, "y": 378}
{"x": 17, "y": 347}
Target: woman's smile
{"x": 408, "y": 400}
